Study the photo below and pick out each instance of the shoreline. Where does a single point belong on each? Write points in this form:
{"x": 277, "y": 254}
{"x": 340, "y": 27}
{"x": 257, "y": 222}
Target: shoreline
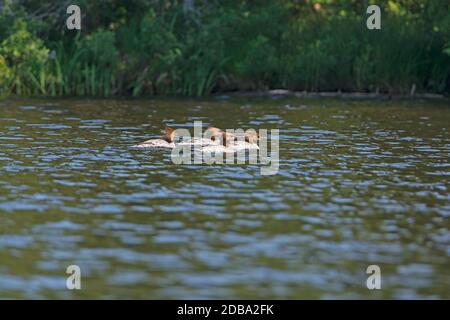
{"x": 275, "y": 93}
{"x": 335, "y": 94}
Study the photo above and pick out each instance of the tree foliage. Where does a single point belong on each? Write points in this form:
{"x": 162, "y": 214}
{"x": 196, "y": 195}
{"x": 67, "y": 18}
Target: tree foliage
{"x": 193, "y": 48}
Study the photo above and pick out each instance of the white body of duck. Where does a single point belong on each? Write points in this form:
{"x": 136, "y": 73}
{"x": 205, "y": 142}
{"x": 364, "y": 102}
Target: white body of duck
{"x": 155, "y": 143}
{"x": 234, "y": 147}
{"x": 206, "y": 145}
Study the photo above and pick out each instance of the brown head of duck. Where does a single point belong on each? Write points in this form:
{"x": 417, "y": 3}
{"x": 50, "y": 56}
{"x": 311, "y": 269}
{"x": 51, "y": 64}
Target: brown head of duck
{"x": 217, "y": 134}
{"x": 168, "y": 134}
{"x": 250, "y": 136}
{"x": 214, "y": 133}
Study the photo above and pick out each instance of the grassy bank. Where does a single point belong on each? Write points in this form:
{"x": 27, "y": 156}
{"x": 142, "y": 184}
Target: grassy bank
{"x": 196, "y": 48}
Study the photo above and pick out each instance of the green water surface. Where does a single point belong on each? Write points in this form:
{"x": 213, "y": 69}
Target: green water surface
{"x": 360, "y": 183}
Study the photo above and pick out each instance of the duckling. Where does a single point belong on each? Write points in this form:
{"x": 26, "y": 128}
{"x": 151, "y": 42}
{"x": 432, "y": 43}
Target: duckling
{"x": 214, "y": 133}
{"x": 251, "y": 136}
{"x": 229, "y": 145}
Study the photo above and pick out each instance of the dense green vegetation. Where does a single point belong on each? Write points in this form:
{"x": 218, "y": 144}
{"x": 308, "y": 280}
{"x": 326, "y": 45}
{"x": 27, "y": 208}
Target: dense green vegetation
{"x": 195, "y": 48}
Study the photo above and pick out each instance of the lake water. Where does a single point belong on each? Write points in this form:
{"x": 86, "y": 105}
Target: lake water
{"x": 360, "y": 183}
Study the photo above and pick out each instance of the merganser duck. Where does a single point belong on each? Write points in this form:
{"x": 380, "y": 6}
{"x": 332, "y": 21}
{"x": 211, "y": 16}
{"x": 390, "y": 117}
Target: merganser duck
{"x": 215, "y": 133}
{"x": 218, "y": 141}
{"x": 166, "y": 141}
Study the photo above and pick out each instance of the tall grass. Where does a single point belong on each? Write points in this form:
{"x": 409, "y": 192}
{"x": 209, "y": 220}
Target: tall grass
{"x": 236, "y": 47}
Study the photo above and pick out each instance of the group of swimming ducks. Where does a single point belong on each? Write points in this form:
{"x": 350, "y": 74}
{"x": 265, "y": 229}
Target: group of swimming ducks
{"x": 215, "y": 140}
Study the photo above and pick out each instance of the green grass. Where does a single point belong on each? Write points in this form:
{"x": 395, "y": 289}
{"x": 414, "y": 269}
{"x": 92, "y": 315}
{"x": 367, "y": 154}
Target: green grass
{"x": 240, "y": 46}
